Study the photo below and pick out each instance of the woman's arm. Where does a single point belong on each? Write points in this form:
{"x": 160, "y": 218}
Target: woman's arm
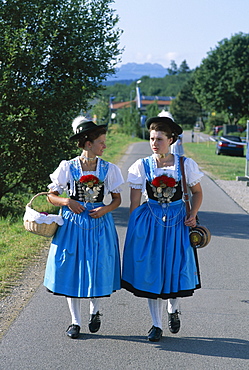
{"x": 72, "y": 204}
{"x": 101, "y": 211}
{"x": 135, "y": 198}
{"x": 196, "y": 191}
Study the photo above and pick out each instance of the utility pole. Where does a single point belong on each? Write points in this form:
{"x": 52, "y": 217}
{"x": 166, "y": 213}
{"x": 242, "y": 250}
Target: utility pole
{"x": 246, "y": 177}
{"x": 247, "y": 152}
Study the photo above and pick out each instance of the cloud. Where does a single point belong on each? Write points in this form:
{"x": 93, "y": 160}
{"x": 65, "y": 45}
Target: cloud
{"x": 171, "y": 55}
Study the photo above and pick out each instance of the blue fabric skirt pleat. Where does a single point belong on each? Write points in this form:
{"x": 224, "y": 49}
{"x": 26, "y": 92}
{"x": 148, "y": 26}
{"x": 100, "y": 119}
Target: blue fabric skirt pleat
{"x": 158, "y": 259}
{"x": 84, "y": 258}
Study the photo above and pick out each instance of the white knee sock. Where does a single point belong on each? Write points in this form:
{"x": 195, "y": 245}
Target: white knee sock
{"x": 156, "y": 311}
{"x": 173, "y": 305}
{"x": 74, "y": 307}
{"x": 94, "y": 305}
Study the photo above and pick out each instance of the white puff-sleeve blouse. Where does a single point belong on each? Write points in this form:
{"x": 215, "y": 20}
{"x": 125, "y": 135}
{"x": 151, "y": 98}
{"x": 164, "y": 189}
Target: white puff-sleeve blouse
{"x": 62, "y": 176}
{"x": 137, "y": 178}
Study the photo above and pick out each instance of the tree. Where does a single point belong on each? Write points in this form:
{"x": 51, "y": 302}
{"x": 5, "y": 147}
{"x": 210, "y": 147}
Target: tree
{"x": 152, "y": 109}
{"x": 169, "y": 85}
{"x": 184, "y": 108}
{"x": 55, "y": 55}
{"x": 222, "y": 80}
{"x": 129, "y": 121}
{"x": 101, "y": 111}
{"x": 184, "y": 68}
{"x": 173, "y": 68}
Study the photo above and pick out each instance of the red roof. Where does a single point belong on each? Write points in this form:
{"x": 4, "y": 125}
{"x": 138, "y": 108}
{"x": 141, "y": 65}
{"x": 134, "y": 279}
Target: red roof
{"x": 126, "y": 104}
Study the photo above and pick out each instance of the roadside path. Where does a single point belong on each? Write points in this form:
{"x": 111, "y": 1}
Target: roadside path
{"x": 214, "y": 331}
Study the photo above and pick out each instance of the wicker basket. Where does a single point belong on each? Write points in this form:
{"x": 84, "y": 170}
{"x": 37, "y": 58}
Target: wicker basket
{"x": 46, "y": 228}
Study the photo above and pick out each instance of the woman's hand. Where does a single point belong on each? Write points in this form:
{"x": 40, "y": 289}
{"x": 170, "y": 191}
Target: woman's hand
{"x": 72, "y": 204}
{"x": 97, "y": 212}
{"x": 75, "y": 206}
{"x": 196, "y": 190}
{"x": 190, "y": 221}
{"x": 101, "y": 211}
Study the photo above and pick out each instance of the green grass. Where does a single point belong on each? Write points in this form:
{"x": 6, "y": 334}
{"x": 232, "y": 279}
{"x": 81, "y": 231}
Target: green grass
{"x": 18, "y": 247}
{"x": 117, "y": 144}
{"x": 217, "y": 166}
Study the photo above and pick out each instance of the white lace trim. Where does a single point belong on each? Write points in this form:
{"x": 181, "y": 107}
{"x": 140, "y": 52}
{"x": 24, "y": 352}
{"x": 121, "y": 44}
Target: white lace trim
{"x": 40, "y": 218}
{"x": 134, "y": 186}
{"x": 194, "y": 183}
{"x": 62, "y": 175}
{"x": 117, "y": 190}
{"x": 55, "y": 187}
{"x": 137, "y": 177}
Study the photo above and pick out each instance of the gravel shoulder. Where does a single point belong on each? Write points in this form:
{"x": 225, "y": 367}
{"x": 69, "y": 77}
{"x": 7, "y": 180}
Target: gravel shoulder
{"x": 32, "y": 277}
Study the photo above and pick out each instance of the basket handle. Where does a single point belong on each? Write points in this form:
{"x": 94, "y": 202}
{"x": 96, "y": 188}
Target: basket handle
{"x": 37, "y": 195}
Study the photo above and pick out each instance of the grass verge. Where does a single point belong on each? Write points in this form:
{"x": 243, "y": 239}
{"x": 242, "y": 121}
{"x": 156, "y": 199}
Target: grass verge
{"x": 217, "y": 166}
{"x": 18, "y": 248}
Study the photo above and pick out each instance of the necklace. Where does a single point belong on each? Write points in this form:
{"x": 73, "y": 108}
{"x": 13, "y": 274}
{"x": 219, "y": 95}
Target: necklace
{"x": 165, "y": 218}
{"x": 88, "y": 159}
{"x": 164, "y": 155}
{"x": 163, "y": 159}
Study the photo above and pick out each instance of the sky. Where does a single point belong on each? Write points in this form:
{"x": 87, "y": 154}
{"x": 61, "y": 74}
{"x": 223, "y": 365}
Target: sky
{"x": 159, "y": 31}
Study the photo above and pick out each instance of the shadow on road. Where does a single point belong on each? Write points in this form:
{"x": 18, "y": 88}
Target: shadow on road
{"x": 220, "y": 224}
{"x": 228, "y": 225}
{"x": 121, "y": 216}
{"x": 214, "y": 347}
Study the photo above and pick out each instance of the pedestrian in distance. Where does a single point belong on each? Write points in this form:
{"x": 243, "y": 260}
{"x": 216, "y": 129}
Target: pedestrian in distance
{"x": 177, "y": 147}
{"x": 158, "y": 262}
{"x": 84, "y": 260}
{"x": 192, "y": 136}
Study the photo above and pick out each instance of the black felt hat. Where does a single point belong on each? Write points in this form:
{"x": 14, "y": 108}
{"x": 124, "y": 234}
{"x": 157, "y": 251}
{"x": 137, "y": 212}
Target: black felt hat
{"x": 81, "y": 126}
{"x": 168, "y": 121}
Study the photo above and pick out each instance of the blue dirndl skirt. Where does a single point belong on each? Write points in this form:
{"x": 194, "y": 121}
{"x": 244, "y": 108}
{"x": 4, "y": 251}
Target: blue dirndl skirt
{"x": 84, "y": 258}
{"x": 158, "y": 260}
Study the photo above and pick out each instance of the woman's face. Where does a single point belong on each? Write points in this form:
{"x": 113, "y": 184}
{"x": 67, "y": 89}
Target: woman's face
{"x": 98, "y": 146}
{"x": 159, "y": 142}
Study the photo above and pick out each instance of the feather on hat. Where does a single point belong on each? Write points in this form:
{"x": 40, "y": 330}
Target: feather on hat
{"x": 81, "y": 125}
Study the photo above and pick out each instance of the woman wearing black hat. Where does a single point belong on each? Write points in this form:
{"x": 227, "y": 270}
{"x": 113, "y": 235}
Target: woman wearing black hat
{"x": 84, "y": 259}
{"x": 159, "y": 262}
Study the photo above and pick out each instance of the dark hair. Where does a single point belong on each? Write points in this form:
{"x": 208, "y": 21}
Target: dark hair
{"x": 91, "y": 136}
{"x": 162, "y": 126}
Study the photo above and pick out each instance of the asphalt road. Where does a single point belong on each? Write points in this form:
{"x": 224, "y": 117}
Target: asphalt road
{"x": 215, "y": 327}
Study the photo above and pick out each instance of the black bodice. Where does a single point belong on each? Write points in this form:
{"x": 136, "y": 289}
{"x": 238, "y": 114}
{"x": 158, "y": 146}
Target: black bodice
{"x": 81, "y": 196}
{"x": 176, "y": 196}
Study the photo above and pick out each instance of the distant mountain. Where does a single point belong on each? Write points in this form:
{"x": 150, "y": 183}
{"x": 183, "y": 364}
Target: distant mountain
{"x": 134, "y": 71}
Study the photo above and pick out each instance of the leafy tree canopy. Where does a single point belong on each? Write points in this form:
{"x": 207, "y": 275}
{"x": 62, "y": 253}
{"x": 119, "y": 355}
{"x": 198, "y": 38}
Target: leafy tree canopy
{"x": 54, "y": 56}
{"x": 184, "y": 68}
{"x": 173, "y": 68}
{"x": 185, "y": 108}
{"x": 222, "y": 80}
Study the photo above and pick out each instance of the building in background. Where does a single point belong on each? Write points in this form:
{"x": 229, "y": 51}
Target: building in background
{"x": 163, "y": 102}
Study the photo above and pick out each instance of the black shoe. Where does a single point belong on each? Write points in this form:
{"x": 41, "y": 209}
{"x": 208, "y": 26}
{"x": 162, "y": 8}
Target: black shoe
{"x": 73, "y": 331}
{"x": 155, "y": 334}
{"x": 94, "y": 322}
{"x": 174, "y": 322}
